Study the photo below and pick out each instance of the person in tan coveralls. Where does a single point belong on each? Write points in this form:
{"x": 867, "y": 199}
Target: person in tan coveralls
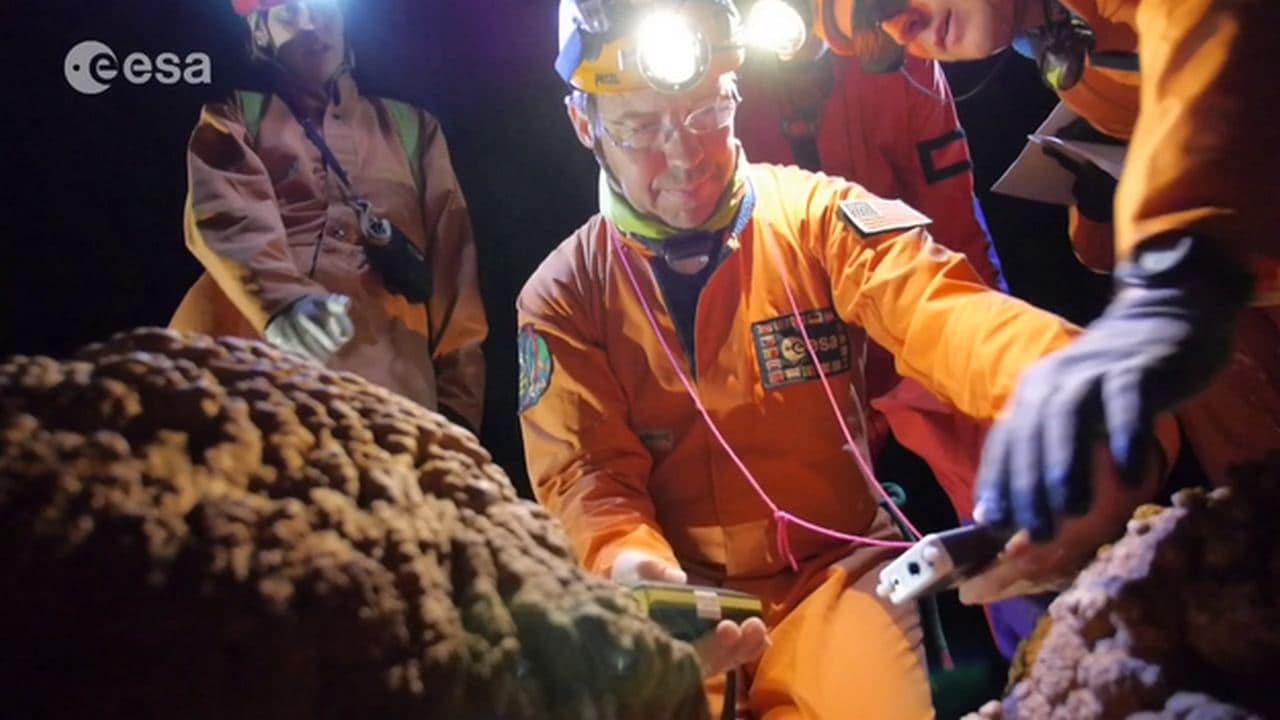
{"x": 281, "y": 243}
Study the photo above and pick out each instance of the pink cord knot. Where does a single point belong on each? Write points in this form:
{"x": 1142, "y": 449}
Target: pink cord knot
{"x": 783, "y": 518}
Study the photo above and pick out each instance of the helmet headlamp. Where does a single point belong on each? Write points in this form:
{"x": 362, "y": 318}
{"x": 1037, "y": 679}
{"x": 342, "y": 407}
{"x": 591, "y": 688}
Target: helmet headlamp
{"x": 613, "y": 46}
{"x": 776, "y": 26}
{"x": 670, "y": 53}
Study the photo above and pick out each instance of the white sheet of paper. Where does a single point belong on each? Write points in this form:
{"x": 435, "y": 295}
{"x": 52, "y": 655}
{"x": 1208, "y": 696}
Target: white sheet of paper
{"x": 1036, "y": 176}
{"x": 1108, "y": 157}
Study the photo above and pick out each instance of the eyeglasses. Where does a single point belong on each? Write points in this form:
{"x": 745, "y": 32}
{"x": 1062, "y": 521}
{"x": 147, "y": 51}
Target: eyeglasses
{"x": 713, "y": 115}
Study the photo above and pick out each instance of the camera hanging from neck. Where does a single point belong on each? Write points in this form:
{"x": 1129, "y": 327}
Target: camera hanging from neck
{"x": 403, "y": 268}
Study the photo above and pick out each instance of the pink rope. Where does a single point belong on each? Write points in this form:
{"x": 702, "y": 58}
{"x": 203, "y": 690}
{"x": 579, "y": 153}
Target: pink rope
{"x": 780, "y": 516}
{"x": 835, "y": 407}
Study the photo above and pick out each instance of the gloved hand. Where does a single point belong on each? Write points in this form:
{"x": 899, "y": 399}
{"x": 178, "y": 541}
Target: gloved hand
{"x": 316, "y": 326}
{"x": 1165, "y": 334}
{"x": 1027, "y": 568}
{"x": 1093, "y": 189}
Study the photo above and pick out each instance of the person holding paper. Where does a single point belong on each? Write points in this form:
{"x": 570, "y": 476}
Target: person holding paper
{"x": 1196, "y": 212}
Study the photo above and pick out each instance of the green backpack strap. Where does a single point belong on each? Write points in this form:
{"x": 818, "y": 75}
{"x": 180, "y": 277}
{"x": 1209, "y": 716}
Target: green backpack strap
{"x": 408, "y": 123}
{"x": 253, "y": 106}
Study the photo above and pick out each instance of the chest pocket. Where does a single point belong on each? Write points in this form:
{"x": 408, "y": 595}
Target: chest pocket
{"x": 782, "y": 356}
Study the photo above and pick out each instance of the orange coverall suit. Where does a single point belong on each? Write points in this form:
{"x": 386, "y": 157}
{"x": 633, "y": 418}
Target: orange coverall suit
{"x": 896, "y": 141}
{"x": 619, "y": 455}
{"x": 1199, "y": 117}
{"x": 270, "y": 224}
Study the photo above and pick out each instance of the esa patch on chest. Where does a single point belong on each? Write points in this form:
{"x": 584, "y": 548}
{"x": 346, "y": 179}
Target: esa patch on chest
{"x": 784, "y": 359}
{"x": 873, "y": 215}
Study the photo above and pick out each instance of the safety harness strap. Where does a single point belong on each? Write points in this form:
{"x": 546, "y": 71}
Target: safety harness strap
{"x": 252, "y": 107}
{"x": 409, "y": 124}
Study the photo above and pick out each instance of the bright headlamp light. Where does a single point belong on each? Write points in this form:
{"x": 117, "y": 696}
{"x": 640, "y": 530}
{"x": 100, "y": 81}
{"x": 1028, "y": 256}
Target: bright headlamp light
{"x": 670, "y": 53}
{"x": 776, "y": 26}
{"x": 615, "y": 46}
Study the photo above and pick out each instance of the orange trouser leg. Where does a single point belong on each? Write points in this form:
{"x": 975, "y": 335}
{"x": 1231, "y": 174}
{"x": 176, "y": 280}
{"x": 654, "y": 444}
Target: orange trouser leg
{"x": 842, "y": 653}
{"x": 1237, "y": 418}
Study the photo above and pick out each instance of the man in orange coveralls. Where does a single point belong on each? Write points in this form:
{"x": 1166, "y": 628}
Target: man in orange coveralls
{"x": 617, "y": 450}
{"x": 278, "y": 230}
{"x": 1195, "y": 217}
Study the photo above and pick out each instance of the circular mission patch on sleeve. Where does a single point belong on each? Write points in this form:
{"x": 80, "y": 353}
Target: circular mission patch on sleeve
{"x": 535, "y": 366}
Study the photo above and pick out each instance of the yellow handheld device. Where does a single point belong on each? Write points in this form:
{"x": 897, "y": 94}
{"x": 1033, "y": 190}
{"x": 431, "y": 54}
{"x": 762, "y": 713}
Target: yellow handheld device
{"x": 690, "y": 611}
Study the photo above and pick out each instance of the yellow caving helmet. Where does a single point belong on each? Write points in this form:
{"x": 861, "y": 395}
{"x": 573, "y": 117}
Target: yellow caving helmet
{"x": 618, "y": 46}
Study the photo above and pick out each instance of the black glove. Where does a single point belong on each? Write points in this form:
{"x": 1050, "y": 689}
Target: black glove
{"x": 1167, "y": 331}
{"x": 1094, "y": 189}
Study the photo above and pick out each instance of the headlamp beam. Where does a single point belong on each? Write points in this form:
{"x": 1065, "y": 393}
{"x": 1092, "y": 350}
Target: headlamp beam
{"x": 667, "y": 45}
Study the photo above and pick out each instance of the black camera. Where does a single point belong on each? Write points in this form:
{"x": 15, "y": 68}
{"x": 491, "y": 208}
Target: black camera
{"x": 403, "y": 268}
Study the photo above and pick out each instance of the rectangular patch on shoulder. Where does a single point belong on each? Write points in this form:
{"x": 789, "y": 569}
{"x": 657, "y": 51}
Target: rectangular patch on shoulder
{"x": 782, "y": 356}
{"x": 872, "y": 216}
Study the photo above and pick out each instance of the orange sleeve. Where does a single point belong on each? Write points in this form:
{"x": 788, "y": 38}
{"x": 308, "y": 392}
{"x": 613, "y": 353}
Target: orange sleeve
{"x": 456, "y": 311}
{"x": 232, "y": 222}
{"x": 585, "y": 464}
{"x": 939, "y": 177}
{"x": 1202, "y": 157}
{"x": 964, "y": 341}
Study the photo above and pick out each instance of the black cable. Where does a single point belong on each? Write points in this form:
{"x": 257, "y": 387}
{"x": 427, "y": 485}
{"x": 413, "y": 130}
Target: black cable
{"x": 729, "y": 710}
{"x": 964, "y": 96}
{"x": 330, "y": 161}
